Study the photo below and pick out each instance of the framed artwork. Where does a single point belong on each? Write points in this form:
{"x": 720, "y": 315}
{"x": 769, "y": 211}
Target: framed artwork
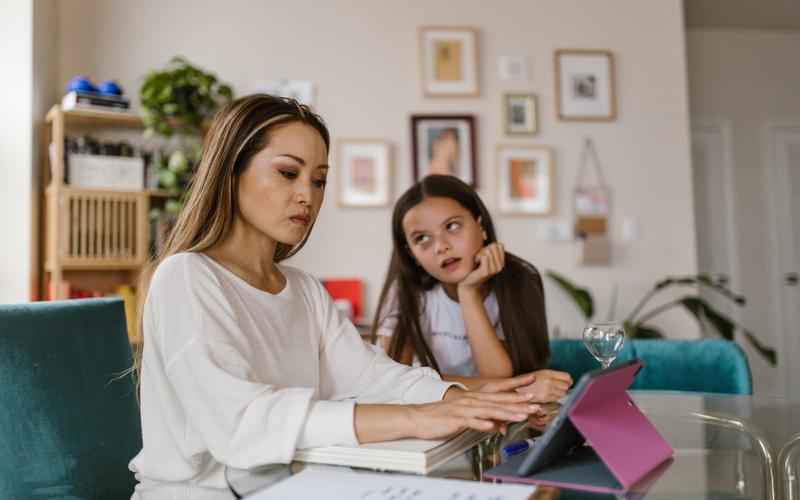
{"x": 520, "y": 114}
{"x": 364, "y": 172}
{"x": 449, "y": 61}
{"x": 585, "y": 85}
{"x": 525, "y": 184}
{"x": 444, "y": 144}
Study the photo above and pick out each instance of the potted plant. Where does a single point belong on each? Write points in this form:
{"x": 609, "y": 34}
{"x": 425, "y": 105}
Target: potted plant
{"x": 177, "y": 104}
{"x": 637, "y": 323}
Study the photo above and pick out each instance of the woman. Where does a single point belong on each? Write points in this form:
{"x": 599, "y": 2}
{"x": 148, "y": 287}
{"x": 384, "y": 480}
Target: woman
{"x": 246, "y": 359}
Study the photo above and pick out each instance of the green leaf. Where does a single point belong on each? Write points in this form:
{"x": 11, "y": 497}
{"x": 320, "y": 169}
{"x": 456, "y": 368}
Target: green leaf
{"x": 173, "y": 206}
{"x": 643, "y": 332}
{"x": 167, "y": 178}
{"x": 767, "y": 352}
{"x": 702, "y": 310}
{"x": 581, "y": 296}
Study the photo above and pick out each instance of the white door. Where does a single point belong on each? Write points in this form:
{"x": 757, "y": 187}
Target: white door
{"x": 712, "y": 170}
{"x": 783, "y": 169}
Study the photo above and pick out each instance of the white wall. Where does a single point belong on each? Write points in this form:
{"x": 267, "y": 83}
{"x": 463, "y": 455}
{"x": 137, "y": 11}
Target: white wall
{"x": 16, "y": 146}
{"x": 749, "y": 78}
{"x": 363, "y": 57}
{"x": 46, "y": 91}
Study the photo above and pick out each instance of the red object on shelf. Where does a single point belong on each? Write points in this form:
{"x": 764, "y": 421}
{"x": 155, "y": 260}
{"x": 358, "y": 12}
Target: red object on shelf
{"x": 351, "y": 290}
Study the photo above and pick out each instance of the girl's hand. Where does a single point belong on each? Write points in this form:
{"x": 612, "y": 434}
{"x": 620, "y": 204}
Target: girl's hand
{"x": 486, "y": 412}
{"x": 548, "y": 385}
{"x": 508, "y": 384}
{"x": 490, "y": 261}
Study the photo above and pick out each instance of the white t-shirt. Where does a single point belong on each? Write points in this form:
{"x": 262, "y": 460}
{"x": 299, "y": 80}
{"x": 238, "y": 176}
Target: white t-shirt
{"x": 443, "y": 328}
{"x": 233, "y": 375}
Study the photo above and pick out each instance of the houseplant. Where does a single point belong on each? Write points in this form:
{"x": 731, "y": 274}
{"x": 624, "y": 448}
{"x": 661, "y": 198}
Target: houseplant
{"x": 177, "y": 104}
{"x": 637, "y": 322}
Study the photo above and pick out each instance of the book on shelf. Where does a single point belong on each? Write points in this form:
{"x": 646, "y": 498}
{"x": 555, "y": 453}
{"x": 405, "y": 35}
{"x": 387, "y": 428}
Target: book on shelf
{"x": 415, "y": 456}
{"x": 94, "y": 101}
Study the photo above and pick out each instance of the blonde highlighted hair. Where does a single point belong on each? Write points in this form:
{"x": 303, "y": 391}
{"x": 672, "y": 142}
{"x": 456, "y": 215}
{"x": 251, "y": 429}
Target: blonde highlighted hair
{"x": 238, "y": 132}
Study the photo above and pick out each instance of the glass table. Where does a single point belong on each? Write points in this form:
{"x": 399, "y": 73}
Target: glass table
{"x": 726, "y": 447}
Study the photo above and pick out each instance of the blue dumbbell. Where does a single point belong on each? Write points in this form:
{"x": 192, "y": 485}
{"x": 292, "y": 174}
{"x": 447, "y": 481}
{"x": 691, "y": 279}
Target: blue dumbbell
{"x": 110, "y": 87}
{"x": 80, "y": 83}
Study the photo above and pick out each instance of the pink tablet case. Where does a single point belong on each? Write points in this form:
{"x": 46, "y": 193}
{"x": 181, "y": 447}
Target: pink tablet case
{"x": 618, "y": 432}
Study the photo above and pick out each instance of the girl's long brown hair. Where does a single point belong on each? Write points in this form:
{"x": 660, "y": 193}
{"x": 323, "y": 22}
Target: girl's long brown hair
{"x": 518, "y": 287}
{"x": 238, "y": 131}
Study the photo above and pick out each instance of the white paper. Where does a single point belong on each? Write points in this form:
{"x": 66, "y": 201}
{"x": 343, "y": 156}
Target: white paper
{"x": 348, "y": 485}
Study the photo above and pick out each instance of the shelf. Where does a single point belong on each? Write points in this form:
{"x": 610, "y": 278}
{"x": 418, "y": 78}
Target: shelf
{"x": 157, "y": 193}
{"x": 96, "y": 265}
{"x": 86, "y": 117}
{"x": 68, "y": 189}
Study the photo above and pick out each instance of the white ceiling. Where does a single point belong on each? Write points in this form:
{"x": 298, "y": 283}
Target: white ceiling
{"x": 748, "y": 14}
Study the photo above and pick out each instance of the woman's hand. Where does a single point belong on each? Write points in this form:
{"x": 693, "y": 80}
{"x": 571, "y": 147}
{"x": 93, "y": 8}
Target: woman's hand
{"x": 487, "y": 412}
{"x": 489, "y": 260}
{"x": 541, "y": 419}
{"x": 547, "y": 386}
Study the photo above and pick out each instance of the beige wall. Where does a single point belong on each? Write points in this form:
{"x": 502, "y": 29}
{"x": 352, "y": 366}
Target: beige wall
{"x": 363, "y": 58}
{"x": 748, "y": 78}
{"x": 16, "y": 145}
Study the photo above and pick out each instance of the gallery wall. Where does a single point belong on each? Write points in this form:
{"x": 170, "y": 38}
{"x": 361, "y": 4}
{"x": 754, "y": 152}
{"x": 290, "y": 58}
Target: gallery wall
{"x": 363, "y": 58}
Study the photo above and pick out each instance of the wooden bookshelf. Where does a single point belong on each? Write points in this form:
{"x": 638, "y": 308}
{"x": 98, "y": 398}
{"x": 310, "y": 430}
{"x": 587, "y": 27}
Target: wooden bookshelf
{"x": 94, "y": 239}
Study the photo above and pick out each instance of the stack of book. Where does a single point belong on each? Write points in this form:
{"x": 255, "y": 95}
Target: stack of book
{"x": 78, "y": 99}
{"x": 415, "y": 456}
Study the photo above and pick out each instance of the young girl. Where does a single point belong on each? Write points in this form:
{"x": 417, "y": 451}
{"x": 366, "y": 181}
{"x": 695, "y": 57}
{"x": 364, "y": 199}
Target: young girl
{"x": 246, "y": 359}
{"x": 455, "y": 300}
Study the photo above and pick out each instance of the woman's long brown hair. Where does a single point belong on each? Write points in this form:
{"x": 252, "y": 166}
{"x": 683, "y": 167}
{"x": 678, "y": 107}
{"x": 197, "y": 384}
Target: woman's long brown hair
{"x": 238, "y": 131}
{"x": 518, "y": 287}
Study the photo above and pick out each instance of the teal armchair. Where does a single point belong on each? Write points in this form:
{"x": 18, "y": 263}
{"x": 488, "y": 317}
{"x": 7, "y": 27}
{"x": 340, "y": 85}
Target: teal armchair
{"x": 69, "y": 422}
{"x": 710, "y": 365}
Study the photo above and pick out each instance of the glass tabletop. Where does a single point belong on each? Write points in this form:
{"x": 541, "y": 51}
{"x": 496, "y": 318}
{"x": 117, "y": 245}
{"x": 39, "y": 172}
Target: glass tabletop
{"x": 726, "y": 447}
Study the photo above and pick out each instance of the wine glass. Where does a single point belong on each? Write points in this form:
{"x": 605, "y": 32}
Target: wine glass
{"x": 604, "y": 340}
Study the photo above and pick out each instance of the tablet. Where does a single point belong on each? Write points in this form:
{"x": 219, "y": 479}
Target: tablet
{"x": 561, "y": 438}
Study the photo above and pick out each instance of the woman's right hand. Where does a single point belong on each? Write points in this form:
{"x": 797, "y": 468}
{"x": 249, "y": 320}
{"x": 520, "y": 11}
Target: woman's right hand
{"x": 487, "y": 412}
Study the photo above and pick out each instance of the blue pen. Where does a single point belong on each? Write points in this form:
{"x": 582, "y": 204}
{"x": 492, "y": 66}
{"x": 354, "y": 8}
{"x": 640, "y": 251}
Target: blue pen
{"x": 516, "y": 448}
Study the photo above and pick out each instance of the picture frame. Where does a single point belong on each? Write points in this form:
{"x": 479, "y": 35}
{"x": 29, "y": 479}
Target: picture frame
{"x": 525, "y": 183}
{"x": 520, "y": 114}
{"x": 365, "y": 172}
{"x": 449, "y": 61}
{"x": 585, "y": 88}
{"x": 444, "y": 144}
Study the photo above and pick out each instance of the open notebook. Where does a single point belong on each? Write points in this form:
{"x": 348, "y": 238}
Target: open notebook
{"x": 416, "y": 456}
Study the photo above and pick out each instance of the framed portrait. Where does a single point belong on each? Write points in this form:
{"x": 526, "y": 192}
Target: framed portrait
{"x": 444, "y": 144}
{"x": 364, "y": 172}
{"x": 525, "y": 183}
{"x": 585, "y": 85}
{"x": 520, "y": 114}
{"x": 449, "y": 61}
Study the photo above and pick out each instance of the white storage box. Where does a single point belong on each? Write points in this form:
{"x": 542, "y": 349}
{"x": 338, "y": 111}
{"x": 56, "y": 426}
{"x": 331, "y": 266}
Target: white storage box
{"x": 106, "y": 172}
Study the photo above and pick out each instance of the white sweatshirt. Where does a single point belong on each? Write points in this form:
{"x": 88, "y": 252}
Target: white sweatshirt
{"x": 233, "y": 375}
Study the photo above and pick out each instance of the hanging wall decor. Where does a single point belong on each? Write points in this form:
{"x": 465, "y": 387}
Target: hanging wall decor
{"x": 585, "y": 85}
{"x": 444, "y": 144}
{"x": 449, "y": 61}
{"x": 364, "y": 172}
{"x": 592, "y": 206}
{"x": 525, "y": 180}
{"x": 519, "y": 114}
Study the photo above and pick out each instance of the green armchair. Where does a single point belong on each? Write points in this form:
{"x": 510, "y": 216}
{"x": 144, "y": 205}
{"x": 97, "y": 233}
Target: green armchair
{"x": 69, "y": 421}
{"x": 714, "y": 366}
